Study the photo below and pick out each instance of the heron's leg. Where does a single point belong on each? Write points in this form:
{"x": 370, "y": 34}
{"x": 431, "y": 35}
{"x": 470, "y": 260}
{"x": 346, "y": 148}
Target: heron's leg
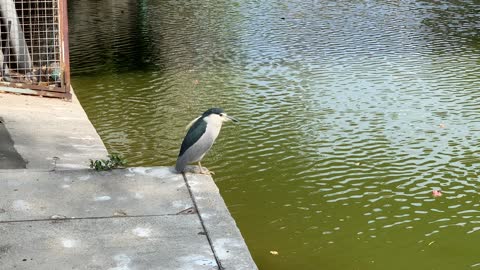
{"x": 200, "y": 165}
{"x": 207, "y": 172}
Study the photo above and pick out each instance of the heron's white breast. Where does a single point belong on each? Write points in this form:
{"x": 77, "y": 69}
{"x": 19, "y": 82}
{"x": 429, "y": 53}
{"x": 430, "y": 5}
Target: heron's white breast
{"x": 214, "y": 124}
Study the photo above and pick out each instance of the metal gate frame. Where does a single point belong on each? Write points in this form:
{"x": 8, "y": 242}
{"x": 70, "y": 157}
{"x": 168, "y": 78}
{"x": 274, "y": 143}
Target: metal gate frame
{"x": 62, "y": 91}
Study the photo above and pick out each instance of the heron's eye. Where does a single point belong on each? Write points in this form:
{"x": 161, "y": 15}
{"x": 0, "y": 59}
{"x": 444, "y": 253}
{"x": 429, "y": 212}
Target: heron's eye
{"x": 221, "y": 114}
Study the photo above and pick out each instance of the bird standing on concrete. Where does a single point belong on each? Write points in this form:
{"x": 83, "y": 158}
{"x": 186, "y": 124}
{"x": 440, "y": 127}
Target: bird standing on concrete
{"x": 201, "y": 135}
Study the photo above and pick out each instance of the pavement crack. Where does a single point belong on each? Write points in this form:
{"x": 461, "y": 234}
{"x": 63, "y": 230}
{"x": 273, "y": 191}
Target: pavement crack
{"x": 215, "y": 255}
{"x": 56, "y": 219}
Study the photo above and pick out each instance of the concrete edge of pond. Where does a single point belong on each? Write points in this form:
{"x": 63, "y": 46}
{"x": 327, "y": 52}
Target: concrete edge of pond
{"x": 55, "y": 137}
{"x": 225, "y": 238}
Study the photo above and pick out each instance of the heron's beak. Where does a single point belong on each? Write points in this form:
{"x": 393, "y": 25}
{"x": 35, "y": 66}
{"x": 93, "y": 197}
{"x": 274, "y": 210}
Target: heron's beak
{"x": 233, "y": 119}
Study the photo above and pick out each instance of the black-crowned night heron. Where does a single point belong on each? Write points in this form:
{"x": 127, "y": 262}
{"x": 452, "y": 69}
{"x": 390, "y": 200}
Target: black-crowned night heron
{"x": 201, "y": 135}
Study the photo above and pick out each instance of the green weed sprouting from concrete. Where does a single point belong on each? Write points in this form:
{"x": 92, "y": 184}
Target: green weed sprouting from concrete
{"x": 113, "y": 161}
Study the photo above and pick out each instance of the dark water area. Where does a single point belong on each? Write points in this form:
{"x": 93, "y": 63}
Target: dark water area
{"x": 351, "y": 112}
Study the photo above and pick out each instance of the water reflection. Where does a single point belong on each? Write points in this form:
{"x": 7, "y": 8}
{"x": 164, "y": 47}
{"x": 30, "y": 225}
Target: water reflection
{"x": 352, "y": 112}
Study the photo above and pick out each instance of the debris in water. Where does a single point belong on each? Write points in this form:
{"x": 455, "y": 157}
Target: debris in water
{"x": 273, "y": 252}
{"x": 436, "y": 193}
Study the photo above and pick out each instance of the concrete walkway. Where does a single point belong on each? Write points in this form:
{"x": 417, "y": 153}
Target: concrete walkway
{"x": 57, "y": 214}
{"x": 50, "y": 133}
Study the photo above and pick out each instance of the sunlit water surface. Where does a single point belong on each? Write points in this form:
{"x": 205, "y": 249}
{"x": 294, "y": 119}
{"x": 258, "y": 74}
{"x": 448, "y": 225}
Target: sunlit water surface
{"x": 352, "y": 112}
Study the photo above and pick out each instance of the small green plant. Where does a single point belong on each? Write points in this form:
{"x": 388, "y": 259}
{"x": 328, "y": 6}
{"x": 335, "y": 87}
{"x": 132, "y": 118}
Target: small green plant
{"x": 113, "y": 161}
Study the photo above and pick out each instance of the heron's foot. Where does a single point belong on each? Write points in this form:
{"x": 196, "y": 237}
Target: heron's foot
{"x": 209, "y": 172}
{"x": 203, "y": 170}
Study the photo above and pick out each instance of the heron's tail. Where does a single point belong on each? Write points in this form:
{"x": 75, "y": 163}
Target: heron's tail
{"x": 181, "y": 164}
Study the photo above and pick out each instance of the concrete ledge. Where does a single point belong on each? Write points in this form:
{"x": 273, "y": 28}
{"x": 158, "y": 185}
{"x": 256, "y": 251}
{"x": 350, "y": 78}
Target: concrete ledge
{"x": 27, "y": 195}
{"x": 45, "y": 128}
{"x": 226, "y": 240}
{"x": 135, "y": 218}
{"x": 162, "y": 242}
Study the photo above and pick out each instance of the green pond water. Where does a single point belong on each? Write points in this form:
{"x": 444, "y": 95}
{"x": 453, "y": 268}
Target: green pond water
{"x": 351, "y": 112}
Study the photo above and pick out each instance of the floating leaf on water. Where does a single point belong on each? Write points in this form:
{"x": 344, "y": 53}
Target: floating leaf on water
{"x": 273, "y": 252}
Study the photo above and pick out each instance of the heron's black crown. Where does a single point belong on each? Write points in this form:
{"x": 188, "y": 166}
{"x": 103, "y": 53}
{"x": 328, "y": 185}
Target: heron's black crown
{"x": 213, "y": 111}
